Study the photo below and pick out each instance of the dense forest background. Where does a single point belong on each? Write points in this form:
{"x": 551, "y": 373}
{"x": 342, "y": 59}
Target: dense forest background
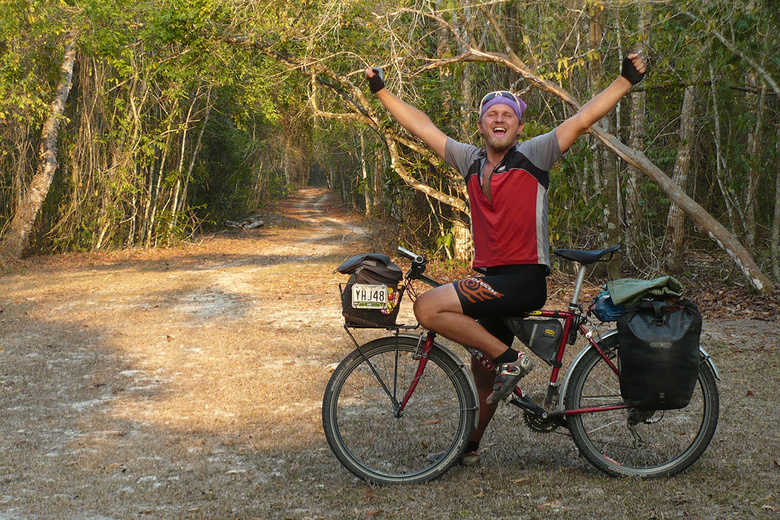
{"x": 141, "y": 123}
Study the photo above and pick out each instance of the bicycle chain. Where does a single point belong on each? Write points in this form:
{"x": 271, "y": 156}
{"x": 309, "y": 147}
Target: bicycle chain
{"x": 536, "y": 423}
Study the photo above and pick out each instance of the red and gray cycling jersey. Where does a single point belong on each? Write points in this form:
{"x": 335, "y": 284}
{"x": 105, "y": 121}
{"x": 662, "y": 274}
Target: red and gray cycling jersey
{"x": 512, "y": 228}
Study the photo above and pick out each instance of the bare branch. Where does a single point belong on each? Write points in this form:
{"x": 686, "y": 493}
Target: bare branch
{"x": 356, "y": 99}
{"x": 635, "y": 158}
{"x": 733, "y": 48}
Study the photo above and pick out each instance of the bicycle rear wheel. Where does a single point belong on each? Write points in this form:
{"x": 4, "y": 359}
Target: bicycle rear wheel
{"x": 632, "y": 442}
{"x": 367, "y": 435}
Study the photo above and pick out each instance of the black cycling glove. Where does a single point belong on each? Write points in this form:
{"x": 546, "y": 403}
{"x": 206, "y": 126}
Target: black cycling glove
{"x": 629, "y": 72}
{"x": 377, "y": 81}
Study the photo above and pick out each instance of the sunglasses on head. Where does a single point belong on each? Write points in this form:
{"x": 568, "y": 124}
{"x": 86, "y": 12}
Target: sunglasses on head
{"x": 498, "y": 93}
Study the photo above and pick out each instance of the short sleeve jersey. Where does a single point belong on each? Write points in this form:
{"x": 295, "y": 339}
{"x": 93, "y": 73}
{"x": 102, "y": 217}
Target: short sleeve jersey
{"x": 512, "y": 228}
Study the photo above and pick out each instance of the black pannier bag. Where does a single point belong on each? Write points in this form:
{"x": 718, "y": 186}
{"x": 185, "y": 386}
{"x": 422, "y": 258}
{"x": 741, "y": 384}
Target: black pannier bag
{"x": 371, "y": 269}
{"x": 659, "y": 353}
{"x": 542, "y": 336}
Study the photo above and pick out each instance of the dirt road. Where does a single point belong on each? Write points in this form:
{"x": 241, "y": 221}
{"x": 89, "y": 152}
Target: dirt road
{"x": 186, "y": 383}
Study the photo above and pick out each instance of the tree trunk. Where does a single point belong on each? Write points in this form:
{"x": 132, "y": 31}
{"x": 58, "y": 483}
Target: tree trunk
{"x": 754, "y": 155}
{"x": 156, "y": 190}
{"x": 720, "y": 174}
{"x": 610, "y": 231}
{"x": 30, "y": 204}
{"x": 378, "y": 187}
{"x": 198, "y": 146}
{"x": 364, "y": 174}
{"x": 180, "y": 168}
{"x": 675, "y": 220}
{"x": 462, "y": 241}
{"x": 776, "y": 217}
{"x": 633, "y": 208}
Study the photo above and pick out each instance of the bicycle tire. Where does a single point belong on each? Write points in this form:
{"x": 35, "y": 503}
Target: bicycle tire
{"x": 358, "y": 414}
{"x": 671, "y": 440}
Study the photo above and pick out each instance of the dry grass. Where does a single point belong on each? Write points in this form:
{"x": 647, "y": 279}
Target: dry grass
{"x": 186, "y": 383}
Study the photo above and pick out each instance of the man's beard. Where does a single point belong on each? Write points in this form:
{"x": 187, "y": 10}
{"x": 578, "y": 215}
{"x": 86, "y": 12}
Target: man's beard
{"x": 499, "y": 144}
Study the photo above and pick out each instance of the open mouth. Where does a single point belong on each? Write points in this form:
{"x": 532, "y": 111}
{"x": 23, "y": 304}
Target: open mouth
{"x": 499, "y": 131}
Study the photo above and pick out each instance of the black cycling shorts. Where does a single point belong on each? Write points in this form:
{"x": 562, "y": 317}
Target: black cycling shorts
{"x": 509, "y": 290}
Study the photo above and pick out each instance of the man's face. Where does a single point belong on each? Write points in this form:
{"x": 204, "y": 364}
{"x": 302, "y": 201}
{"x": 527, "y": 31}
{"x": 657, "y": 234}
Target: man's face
{"x": 500, "y": 127}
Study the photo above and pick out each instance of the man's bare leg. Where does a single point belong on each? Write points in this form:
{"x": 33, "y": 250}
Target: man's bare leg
{"x": 439, "y": 310}
{"x": 483, "y": 378}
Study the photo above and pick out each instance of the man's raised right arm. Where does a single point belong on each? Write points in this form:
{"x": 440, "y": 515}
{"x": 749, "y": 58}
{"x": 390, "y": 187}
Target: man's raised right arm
{"x": 413, "y": 120}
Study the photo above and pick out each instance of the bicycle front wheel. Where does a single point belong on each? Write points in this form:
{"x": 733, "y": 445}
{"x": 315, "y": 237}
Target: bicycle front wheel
{"x": 367, "y": 433}
{"x": 633, "y": 442}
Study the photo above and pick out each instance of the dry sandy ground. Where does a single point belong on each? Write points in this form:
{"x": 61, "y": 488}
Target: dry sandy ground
{"x": 186, "y": 383}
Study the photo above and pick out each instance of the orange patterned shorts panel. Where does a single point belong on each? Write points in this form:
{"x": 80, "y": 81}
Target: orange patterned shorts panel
{"x": 511, "y": 291}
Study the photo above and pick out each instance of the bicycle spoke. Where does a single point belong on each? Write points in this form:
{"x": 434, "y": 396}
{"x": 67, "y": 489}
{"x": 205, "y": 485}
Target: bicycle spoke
{"x": 371, "y": 438}
{"x": 634, "y": 442}
{"x": 380, "y": 380}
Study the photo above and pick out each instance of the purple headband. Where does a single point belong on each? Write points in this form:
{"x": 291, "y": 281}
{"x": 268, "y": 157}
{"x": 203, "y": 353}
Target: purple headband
{"x": 518, "y": 107}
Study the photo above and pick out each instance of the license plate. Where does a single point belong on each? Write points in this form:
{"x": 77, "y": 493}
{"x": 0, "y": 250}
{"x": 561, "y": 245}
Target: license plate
{"x": 369, "y": 296}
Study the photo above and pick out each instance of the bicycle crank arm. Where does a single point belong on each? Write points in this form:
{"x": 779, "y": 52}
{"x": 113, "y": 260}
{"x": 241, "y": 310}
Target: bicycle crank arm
{"x": 528, "y": 405}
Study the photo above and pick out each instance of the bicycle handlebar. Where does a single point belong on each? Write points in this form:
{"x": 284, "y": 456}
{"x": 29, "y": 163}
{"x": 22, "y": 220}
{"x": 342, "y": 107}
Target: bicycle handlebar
{"x": 417, "y": 268}
{"x": 414, "y": 257}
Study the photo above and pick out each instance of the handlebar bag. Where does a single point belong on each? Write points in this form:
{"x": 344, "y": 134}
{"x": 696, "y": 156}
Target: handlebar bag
{"x": 371, "y": 268}
{"x": 659, "y": 353}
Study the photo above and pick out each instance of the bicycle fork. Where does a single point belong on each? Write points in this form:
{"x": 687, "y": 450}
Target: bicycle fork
{"x": 422, "y": 353}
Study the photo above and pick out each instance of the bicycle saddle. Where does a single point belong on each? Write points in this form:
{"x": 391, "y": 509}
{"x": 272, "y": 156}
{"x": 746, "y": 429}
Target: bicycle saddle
{"x": 585, "y": 257}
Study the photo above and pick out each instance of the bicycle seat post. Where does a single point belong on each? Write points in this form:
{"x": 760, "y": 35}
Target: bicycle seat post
{"x": 584, "y": 258}
{"x": 578, "y": 287}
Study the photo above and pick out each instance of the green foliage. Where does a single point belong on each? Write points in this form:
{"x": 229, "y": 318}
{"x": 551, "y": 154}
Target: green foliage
{"x": 149, "y": 72}
{"x": 153, "y": 74}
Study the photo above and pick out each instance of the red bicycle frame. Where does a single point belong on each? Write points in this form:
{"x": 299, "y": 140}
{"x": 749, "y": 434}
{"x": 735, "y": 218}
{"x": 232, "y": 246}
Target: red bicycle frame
{"x": 569, "y": 319}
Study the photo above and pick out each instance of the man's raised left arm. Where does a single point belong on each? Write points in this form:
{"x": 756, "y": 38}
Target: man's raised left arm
{"x": 632, "y": 72}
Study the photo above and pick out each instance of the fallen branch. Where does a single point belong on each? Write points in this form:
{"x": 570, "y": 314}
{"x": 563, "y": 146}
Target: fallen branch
{"x": 706, "y": 222}
{"x": 252, "y": 222}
